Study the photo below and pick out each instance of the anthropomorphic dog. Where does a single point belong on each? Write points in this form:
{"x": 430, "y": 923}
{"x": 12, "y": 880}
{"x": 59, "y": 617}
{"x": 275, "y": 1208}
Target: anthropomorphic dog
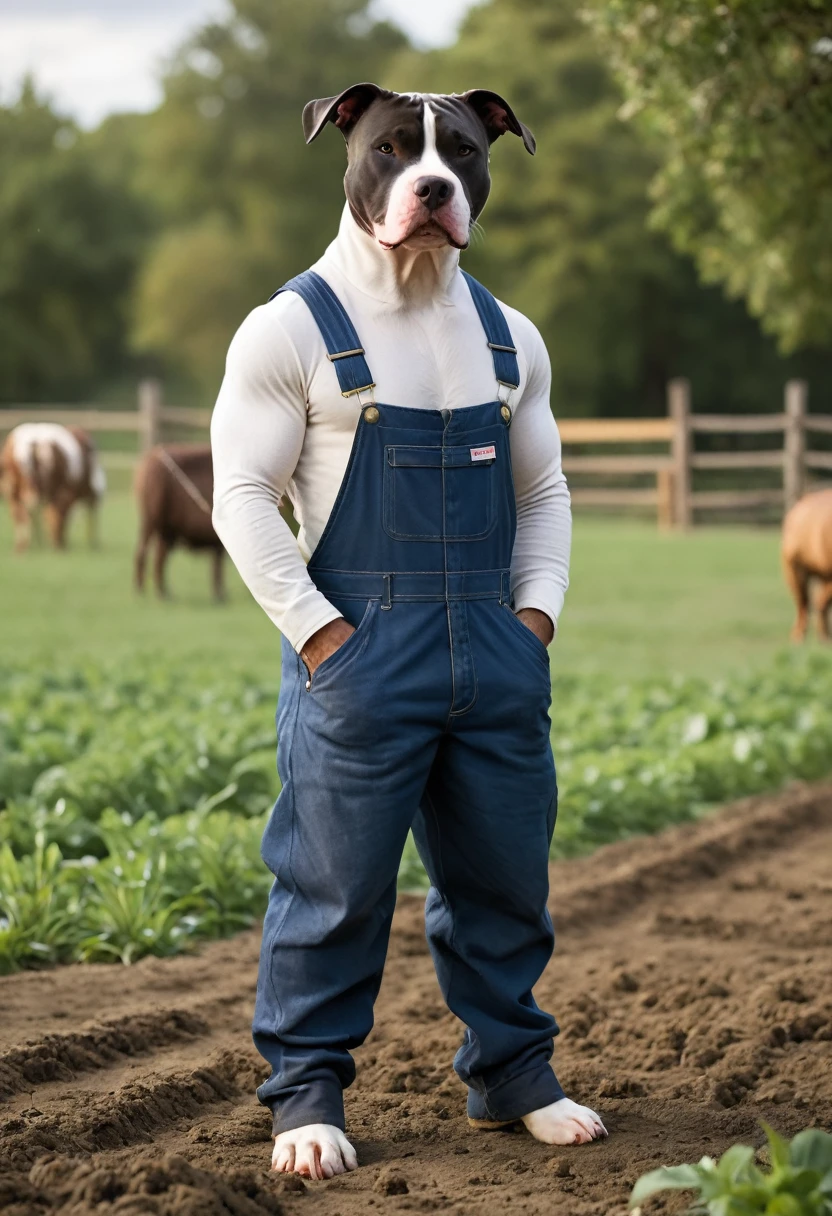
{"x": 807, "y": 558}
{"x": 45, "y": 466}
{"x": 405, "y": 412}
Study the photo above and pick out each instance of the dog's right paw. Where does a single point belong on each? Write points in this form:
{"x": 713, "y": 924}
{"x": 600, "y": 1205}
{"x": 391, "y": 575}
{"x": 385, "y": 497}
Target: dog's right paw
{"x": 316, "y": 1151}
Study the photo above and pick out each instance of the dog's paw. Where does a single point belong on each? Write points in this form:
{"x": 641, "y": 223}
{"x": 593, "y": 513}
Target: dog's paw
{"x": 316, "y": 1151}
{"x": 564, "y": 1122}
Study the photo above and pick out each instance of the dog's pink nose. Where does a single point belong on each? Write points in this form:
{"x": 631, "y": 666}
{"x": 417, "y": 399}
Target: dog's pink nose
{"x": 433, "y": 191}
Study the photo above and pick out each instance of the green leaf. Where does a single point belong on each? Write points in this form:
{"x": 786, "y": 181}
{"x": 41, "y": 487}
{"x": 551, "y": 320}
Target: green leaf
{"x": 209, "y": 804}
{"x": 779, "y": 1150}
{"x": 812, "y": 1150}
{"x": 667, "y": 1178}
{"x": 737, "y": 1163}
{"x": 786, "y": 1205}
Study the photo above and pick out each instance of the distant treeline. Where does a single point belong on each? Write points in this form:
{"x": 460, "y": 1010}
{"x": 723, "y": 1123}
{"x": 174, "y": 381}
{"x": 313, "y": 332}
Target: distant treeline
{"x": 139, "y": 247}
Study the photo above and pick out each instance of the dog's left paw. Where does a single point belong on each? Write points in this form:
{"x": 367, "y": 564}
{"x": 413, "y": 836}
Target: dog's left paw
{"x": 564, "y": 1122}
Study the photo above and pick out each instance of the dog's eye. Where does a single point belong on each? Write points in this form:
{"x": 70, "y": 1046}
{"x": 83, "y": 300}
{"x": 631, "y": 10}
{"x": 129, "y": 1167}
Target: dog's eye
{"x": 386, "y": 148}
{"x": 465, "y": 150}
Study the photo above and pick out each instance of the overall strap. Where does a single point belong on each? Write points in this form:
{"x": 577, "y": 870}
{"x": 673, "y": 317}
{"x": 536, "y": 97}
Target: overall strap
{"x": 497, "y": 332}
{"x": 344, "y": 350}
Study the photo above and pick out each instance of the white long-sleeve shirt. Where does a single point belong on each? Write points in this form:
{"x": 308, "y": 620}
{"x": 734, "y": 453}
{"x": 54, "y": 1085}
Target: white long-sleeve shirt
{"x": 281, "y": 425}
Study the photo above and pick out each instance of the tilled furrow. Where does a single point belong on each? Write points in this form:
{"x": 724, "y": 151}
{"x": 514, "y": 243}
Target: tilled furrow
{"x": 59, "y": 1057}
{"x": 168, "y": 1186}
{"x": 133, "y": 1114}
{"x": 686, "y": 857}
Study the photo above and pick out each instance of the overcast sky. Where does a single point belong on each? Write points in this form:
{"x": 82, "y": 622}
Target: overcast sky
{"x": 96, "y": 56}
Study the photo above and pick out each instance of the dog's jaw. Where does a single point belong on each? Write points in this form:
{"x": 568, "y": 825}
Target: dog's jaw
{"x": 429, "y": 235}
{"x": 413, "y": 273}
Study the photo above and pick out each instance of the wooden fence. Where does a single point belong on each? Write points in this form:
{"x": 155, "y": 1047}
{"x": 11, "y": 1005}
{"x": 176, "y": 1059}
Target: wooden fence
{"x": 677, "y": 501}
{"x": 149, "y": 422}
{"x": 666, "y": 477}
{"x": 622, "y": 432}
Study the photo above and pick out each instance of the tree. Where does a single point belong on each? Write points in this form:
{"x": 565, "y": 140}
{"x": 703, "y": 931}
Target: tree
{"x": 738, "y": 98}
{"x": 566, "y": 235}
{"x": 246, "y": 204}
{"x": 70, "y": 245}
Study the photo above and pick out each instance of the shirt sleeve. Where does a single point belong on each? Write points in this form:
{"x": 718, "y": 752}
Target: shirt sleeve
{"x": 540, "y": 562}
{"x": 257, "y": 433}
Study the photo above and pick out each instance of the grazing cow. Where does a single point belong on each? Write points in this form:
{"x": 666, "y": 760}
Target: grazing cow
{"x": 175, "y": 490}
{"x": 44, "y": 465}
{"x": 807, "y": 556}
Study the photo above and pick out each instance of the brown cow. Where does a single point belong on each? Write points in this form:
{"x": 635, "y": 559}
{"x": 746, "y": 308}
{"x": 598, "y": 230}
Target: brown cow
{"x": 49, "y": 466}
{"x": 175, "y": 490}
{"x": 807, "y": 556}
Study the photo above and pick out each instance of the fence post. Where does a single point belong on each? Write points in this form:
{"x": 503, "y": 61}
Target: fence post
{"x": 664, "y": 499}
{"x": 794, "y": 445}
{"x": 678, "y": 405}
{"x": 150, "y": 410}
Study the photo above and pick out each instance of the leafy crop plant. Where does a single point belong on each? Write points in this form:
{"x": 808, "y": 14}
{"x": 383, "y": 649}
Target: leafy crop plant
{"x": 133, "y": 796}
{"x": 798, "y": 1182}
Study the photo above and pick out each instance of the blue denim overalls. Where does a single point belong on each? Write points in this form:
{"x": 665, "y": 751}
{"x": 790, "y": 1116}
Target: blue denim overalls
{"x": 433, "y": 714}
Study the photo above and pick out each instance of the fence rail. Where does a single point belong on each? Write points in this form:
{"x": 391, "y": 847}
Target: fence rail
{"x": 672, "y": 493}
{"x": 87, "y": 419}
{"x": 148, "y": 421}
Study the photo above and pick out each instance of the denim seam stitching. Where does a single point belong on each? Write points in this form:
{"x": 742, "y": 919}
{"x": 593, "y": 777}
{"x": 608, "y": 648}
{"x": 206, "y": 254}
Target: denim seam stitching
{"x": 277, "y": 928}
{"x": 458, "y": 713}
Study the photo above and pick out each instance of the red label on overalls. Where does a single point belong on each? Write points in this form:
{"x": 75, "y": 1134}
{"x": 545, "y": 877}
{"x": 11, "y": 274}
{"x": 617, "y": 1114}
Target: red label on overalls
{"x": 488, "y": 453}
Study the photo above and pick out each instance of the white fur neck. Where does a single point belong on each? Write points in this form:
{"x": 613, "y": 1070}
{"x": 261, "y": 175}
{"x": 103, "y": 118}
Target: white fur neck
{"x": 402, "y": 278}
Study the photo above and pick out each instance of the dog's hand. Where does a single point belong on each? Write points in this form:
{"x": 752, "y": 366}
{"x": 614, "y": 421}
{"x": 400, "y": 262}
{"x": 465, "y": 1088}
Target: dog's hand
{"x": 325, "y": 642}
{"x": 539, "y": 623}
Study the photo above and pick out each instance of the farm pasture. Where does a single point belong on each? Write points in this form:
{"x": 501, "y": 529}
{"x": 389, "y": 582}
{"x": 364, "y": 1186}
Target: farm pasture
{"x": 642, "y": 603}
{"x": 137, "y": 738}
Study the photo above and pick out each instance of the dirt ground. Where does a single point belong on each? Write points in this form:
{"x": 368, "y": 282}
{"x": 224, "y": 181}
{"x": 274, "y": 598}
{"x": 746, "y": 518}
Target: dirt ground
{"x": 692, "y": 981}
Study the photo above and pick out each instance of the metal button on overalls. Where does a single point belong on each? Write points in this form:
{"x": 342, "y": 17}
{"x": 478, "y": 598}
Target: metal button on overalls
{"x": 432, "y": 715}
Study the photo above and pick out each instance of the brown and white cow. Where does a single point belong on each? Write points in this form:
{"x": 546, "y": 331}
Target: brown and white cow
{"x": 175, "y": 490}
{"x": 807, "y": 558}
{"x": 49, "y": 467}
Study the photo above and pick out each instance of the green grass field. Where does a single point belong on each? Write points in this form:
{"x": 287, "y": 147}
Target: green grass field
{"x": 641, "y": 603}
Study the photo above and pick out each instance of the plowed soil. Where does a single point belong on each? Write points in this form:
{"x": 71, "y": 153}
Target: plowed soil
{"x": 692, "y": 981}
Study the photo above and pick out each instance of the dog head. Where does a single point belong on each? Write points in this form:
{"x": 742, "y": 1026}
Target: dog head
{"x": 417, "y": 173}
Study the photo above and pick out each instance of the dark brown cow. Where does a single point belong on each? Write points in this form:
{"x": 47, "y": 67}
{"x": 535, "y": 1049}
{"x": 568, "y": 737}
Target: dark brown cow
{"x": 47, "y": 466}
{"x": 807, "y": 557}
{"x": 175, "y": 488}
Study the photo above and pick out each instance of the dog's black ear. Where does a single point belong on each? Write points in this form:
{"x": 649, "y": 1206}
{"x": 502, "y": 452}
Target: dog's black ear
{"x": 498, "y": 116}
{"x": 344, "y": 110}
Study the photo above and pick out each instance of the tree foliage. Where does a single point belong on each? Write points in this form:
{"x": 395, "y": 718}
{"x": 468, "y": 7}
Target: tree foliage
{"x": 71, "y": 242}
{"x": 738, "y": 96}
{"x": 246, "y": 204}
{"x": 150, "y": 238}
{"x": 566, "y": 233}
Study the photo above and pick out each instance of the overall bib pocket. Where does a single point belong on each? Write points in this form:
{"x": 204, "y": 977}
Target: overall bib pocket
{"x": 434, "y": 493}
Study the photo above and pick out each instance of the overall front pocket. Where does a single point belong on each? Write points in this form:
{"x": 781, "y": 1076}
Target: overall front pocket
{"x": 528, "y": 636}
{"x": 439, "y": 493}
{"x": 351, "y": 648}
